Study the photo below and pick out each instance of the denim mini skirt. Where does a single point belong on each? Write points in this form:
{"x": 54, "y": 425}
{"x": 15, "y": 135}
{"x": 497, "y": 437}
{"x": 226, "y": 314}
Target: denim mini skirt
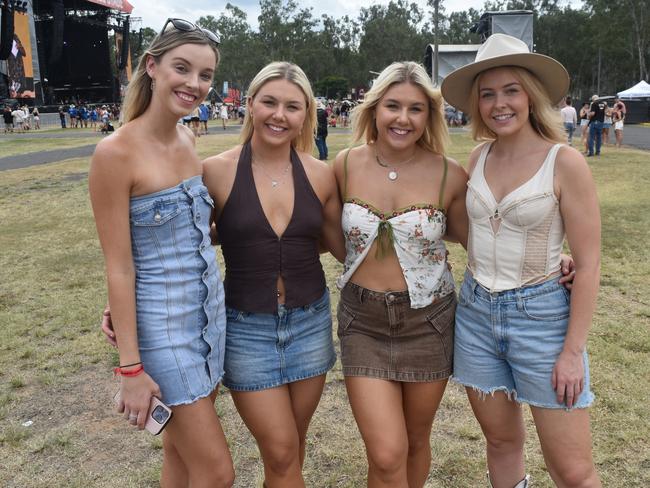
{"x": 266, "y": 350}
{"x": 509, "y": 341}
{"x": 180, "y": 306}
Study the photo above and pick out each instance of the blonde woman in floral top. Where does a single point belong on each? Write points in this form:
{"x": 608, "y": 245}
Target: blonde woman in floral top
{"x": 396, "y": 313}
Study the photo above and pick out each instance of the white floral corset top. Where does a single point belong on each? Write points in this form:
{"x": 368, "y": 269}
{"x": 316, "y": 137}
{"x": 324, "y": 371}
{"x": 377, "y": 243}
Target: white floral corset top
{"x": 415, "y": 233}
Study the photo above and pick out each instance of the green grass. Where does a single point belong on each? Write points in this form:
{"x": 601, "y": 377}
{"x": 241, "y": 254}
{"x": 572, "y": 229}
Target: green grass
{"x": 55, "y": 365}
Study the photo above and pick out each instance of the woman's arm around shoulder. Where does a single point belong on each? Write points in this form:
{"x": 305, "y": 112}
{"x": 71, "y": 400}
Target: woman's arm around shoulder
{"x": 455, "y": 191}
{"x": 322, "y": 179}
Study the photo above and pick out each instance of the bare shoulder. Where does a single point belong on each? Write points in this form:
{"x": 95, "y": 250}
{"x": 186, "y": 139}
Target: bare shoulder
{"x": 473, "y": 157}
{"x": 570, "y": 163}
{"x": 314, "y": 165}
{"x": 320, "y": 175}
{"x": 114, "y": 150}
{"x": 186, "y": 134}
{"x": 349, "y": 153}
{"x": 456, "y": 174}
{"x": 224, "y": 160}
{"x": 219, "y": 172}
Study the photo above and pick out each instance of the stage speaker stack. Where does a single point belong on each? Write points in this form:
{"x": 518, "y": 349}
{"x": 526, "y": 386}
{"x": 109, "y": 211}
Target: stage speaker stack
{"x": 6, "y": 31}
{"x": 58, "y": 15}
{"x": 124, "y": 53}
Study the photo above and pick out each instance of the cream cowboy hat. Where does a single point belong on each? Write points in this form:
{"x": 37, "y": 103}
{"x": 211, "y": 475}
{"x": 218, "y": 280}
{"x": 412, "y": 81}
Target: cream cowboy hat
{"x": 503, "y": 50}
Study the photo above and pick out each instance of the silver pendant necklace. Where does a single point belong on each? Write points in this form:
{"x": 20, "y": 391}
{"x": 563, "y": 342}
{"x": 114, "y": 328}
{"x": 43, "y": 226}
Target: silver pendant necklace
{"x": 275, "y": 181}
{"x": 392, "y": 173}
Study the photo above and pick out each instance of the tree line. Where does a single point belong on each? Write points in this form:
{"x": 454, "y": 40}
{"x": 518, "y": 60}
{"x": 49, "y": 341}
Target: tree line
{"x": 604, "y": 44}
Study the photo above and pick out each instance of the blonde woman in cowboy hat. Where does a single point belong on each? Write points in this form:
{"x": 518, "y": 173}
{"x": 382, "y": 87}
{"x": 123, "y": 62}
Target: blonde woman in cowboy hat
{"x": 520, "y": 336}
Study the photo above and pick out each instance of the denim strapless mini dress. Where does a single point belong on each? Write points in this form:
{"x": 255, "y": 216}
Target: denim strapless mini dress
{"x": 180, "y": 305}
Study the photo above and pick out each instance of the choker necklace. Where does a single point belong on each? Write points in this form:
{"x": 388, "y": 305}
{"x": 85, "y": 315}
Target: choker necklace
{"x": 275, "y": 181}
{"x": 392, "y": 174}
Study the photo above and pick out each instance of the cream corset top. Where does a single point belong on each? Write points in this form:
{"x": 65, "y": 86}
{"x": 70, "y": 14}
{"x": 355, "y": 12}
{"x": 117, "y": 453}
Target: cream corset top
{"x": 518, "y": 240}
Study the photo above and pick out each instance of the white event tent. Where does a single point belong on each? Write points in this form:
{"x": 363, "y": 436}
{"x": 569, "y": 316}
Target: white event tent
{"x": 640, "y": 90}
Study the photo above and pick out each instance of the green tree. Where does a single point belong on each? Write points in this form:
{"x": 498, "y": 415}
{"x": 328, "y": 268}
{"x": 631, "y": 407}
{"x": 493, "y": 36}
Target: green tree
{"x": 239, "y": 48}
{"x": 332, "y": 87}
{"x": 390, "y": 33}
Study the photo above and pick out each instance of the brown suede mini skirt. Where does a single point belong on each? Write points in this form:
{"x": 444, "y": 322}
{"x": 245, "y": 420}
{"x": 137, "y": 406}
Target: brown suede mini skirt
{"x": 383, "y": 337}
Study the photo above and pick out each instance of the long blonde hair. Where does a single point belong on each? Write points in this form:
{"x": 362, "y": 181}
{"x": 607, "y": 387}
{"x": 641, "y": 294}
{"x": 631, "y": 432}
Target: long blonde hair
{"x": 283, "y": 70}
{"x": 544, "y": 118}
{"x": 435, "y": 137}
{"x": 138, "y": 93}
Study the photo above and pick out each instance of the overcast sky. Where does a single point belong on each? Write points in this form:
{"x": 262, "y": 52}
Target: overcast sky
{"x": 155, "y": 12}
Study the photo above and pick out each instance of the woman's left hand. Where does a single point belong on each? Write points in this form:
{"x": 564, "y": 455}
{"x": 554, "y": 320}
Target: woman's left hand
{"x": 568, "y": 377}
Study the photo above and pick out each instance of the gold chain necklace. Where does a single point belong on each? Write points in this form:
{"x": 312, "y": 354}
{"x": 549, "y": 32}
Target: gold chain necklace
{"x": 275, "y": 181}
{"x": 392, "y": 174}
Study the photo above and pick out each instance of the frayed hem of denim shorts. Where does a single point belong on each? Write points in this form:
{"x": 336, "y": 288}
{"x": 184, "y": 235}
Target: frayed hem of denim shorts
{"x": 512, "y": 396}
{"x": 196, "y": 398}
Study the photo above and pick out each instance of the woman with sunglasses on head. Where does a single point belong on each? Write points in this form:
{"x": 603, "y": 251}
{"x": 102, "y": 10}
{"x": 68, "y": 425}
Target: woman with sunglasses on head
{"x": 402, "y": 196}
{"x": 520, "y": 336}
{"x": 152, "y": 214}
{"x": 276, "y": 205}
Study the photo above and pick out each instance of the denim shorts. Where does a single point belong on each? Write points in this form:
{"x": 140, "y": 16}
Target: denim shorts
{"x": 265, "y": 350}
{"x": 383, "y": 337}
{"x": 509, "y": 341}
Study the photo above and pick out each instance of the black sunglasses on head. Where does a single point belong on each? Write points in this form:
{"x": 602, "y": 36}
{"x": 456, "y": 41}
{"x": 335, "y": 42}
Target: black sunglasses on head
{"x": 187, "y": 26}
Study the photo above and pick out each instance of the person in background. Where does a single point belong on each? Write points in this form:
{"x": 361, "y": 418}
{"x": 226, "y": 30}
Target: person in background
{"x": 73, "y": 112}
{"x": 62, "y": 116}
{"x": 607, "y": 123}
{"x": 223, "y": 113}
{"x": 321, "y": 132}
{"x": 37, "y": 118}
{"x": 94, "y": 117}
{"x": 596, "y": 120}
{"x": 569, "y": 118}
{"x": 584, "y": 127}
{"x": 83, "y": 116}
{"x": 204, "y": 116}
{"x": 19, "y": 119}
{"x": 195, "y": 123}
{"x": 520, "y": 335}
{"x": 8, "y": 119}
{"x": 618, "y": 118}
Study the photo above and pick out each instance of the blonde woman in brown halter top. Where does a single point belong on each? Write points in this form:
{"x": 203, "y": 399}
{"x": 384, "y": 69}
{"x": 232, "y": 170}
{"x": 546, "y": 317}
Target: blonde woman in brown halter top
{"x": 275, "y": 207}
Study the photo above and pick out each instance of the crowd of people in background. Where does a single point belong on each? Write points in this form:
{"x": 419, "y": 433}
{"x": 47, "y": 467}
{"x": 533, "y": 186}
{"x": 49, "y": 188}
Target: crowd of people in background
{"x": 20, "y": 119}
{"x": 594, "y": 119}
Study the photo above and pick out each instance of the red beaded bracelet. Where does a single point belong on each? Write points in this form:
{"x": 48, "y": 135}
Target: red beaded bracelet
{"x": 129, "y": 372}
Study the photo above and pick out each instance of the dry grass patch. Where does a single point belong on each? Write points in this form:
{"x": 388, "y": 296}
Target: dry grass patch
{"x": 55, "y": 366}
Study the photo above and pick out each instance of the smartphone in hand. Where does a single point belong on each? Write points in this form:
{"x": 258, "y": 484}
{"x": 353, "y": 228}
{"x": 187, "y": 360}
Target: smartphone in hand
{"x": 158, "y": 415}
